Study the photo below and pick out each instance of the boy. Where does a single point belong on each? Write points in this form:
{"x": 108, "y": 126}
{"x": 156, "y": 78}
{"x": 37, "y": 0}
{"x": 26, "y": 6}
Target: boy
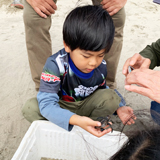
{"x": 73, "y": 88}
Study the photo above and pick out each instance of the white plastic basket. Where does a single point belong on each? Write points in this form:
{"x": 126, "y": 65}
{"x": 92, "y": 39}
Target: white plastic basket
{"x": 45, "y": 139}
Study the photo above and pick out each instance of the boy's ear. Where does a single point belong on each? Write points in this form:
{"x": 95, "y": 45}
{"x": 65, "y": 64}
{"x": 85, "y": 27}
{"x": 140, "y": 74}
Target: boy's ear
{"x": 67, "y": 49}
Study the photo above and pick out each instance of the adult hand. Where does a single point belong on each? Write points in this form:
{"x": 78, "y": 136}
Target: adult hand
{"x": 89, "y": 125}
{"x": 113, "y": 6}
{"x": 43, "y": 7}
{"x": 126, "y": 115}
{"x": 148, "y": 82}
{"x": 136, "y": 61}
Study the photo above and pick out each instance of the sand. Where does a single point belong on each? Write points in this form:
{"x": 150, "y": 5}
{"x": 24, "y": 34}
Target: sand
{"x": 16, "y": 86}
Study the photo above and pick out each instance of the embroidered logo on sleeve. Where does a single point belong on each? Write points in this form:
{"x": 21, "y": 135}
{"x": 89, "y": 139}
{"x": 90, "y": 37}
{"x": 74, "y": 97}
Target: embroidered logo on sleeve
{"x": 49, "y": 77}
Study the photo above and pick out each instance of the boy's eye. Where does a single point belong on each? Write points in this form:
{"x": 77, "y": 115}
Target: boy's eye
{"x": 85, "y": 56}
{"x": 101, "y": 55}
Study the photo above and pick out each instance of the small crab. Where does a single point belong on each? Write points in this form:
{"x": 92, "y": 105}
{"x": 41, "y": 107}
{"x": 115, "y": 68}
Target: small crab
{"x": 104, "y": 122}
{"x": 130, "y": 69}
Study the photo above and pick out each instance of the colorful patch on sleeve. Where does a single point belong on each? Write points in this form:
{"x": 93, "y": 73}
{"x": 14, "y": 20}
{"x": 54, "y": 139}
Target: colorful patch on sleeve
{"x": 49, "y": 77}
{"x": 102, "y": 83}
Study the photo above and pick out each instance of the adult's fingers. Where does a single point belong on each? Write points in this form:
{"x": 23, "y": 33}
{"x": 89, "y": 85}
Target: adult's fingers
{"x": 106, "y": 2}
{"x": 143, "y": 91}
{"x": 47, "y": 10}
{"x": 43, "y": 7}
{"x": 114, "y": 11}
{"x": 40, "y": 13}
{"x": 142, "y": 77}
{"x": 135, "y": 58}
{"x": 138, "y": 89}
{"x": 52, "y": 4}
{"x": 111, "y": 8}
{"x": 125, "y": 67}
{"x": 136, "y": 61}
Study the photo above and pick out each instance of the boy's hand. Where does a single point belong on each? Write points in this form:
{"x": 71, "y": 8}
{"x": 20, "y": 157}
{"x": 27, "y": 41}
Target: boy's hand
{"x": 89, "y": 125}
{"x": 126, "y": 115}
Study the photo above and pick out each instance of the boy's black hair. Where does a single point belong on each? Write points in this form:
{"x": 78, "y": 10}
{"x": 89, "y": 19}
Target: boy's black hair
{"x": 88, "y": 28}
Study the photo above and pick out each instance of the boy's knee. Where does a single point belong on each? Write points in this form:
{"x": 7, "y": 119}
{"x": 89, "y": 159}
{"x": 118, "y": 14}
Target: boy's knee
{"x": 107, "y": 103}
{"x": 30, "y": 110}
{"x": 112, "y": 102}
{"x": 107, "y": 97}
{"x": 110, "y": 96}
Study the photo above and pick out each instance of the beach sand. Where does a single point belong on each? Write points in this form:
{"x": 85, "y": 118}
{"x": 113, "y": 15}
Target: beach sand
{"x": 16, "y": 86}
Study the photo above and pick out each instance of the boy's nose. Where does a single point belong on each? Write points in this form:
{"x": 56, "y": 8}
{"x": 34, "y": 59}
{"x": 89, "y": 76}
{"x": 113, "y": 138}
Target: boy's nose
{"x": 93, "y": 62}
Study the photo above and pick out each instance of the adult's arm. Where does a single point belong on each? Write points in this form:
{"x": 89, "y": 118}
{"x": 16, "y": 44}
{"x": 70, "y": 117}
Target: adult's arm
{"x": 149, "y": 57}
{"x": 153, "y": 53}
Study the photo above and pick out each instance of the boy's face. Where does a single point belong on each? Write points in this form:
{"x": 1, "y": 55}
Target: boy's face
{"x": 86, "y": 61}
